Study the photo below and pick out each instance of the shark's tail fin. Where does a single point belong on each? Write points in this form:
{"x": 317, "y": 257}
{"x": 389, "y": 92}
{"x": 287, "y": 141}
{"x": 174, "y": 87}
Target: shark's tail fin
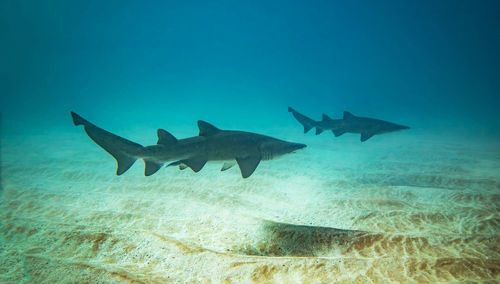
{"x": 304, "y": 120}
{"x": 124, "y": 151}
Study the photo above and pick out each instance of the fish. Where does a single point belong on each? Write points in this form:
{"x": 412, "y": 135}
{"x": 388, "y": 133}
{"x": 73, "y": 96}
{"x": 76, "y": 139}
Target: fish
{"x": 230, "y": 147}
{"x": 350, "y": 123}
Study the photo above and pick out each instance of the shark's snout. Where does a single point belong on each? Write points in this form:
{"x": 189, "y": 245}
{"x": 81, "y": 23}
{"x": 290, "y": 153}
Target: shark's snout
{"x": 298, "y": 146}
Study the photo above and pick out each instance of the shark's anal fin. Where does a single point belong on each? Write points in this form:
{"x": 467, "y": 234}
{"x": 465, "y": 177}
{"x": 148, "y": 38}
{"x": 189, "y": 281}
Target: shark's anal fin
{"x": 196, "y": 164}
{"x": 366, "y": 135}
{"x": 178, "y": 163}
{"x": 151, "y": 167}
{"x": 227, "y": 165}
{"x": 338, "y": 132}
{"x": 248, "y": 165}
{"x": 165, "y": 138}
{"x": 318, "y": 130}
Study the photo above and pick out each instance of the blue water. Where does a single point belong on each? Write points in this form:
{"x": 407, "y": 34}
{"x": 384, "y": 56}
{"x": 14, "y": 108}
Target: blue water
{"x": 423, "y": 63}
{"x": 134, "y": 66}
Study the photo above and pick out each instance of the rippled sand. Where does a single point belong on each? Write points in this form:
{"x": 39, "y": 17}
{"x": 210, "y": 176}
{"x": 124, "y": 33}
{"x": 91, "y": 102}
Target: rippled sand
{"x": 400, "y": 207}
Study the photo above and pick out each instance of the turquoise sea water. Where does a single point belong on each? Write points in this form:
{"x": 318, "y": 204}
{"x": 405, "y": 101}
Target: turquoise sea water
{"x": 418, "y": 205}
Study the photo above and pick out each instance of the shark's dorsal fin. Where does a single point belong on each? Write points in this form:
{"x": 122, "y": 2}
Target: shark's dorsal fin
{"x": 348, "y": 115}
{"x": 165, "y": 138}
{"x": 207, "y": 129}
{"x": 325, "y": 117}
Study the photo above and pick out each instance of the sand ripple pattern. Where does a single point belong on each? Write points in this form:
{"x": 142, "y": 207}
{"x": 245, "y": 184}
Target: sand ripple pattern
{"x": 426, "y": 212}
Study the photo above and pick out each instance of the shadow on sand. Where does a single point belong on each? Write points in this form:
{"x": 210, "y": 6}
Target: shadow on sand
{"x": 282, "y": 239}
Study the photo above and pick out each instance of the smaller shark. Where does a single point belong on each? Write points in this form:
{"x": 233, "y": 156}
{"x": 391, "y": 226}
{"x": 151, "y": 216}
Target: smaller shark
{"x": 350, "y": 123}
{"x": 212, "y": 144}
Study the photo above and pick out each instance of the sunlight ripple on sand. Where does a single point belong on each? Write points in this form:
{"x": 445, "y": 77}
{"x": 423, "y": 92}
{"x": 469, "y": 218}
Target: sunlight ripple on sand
{"x": 426, "y": 212}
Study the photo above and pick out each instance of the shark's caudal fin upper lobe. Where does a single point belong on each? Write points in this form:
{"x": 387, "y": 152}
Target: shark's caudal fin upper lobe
{"x": 304, "y": 120}
{"x": 124, "y": 151}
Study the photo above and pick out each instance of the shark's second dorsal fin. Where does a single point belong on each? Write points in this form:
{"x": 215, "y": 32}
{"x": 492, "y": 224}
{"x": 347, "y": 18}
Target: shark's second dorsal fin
{"x": 165, "y": 138}
{"x": 207, "y": 129}
{"x": 326, "y": 117}
{"x": 348, "y": 115}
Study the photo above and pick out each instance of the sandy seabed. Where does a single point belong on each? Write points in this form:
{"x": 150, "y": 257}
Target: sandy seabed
{"x": 403, "y": 207}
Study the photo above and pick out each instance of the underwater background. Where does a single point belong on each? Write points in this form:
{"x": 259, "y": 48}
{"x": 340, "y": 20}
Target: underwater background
{"x": 420, "y": 205}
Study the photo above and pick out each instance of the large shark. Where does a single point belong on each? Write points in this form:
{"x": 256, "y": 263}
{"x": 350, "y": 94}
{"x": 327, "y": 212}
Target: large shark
{"x": 350, "y": 123}
{"x": 212, "y": 144}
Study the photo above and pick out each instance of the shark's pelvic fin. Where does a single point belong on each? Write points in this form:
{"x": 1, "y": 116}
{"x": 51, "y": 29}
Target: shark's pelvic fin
{"x": 366, "y": 135}
{"x": 338, "y": 132}
{"x": 227, "y": 165}
{"x": 348, "y": 115}
{"x": 151, "y": 167}
{"x": 206, "y": 129}
{"x": 196, "y": 164}
{"x": 248, "y": 165}
{"x": 123, "y": 150}
{"x": 165, "y": 138}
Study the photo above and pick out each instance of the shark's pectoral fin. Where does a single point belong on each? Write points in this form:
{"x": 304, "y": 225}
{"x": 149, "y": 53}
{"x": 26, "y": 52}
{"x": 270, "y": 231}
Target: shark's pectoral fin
{"x": 366, "y": 135}
{"x": 248, "y": 165}
{"x": 318, "y": 130}
{"x": 196, "y": 164}
{"x": 338, "y": 132}
{"x": 151, "y": 167}
{"x": 227, "y": 165}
